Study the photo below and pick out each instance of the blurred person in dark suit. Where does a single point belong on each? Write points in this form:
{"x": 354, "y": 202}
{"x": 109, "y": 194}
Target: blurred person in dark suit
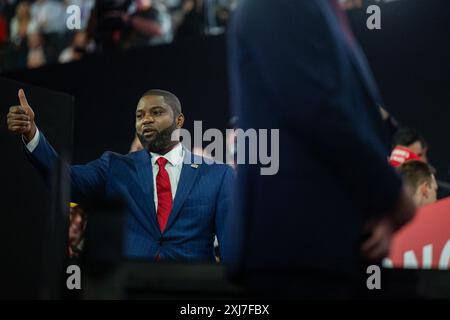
{"x": 295, "y": 66}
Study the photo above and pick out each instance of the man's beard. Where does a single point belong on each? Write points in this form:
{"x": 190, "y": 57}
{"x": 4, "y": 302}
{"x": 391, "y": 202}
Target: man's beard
{"x": 161, "y": 141}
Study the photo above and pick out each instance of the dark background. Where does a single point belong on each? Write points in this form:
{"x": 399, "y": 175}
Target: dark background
{"x": 31, "y": 227}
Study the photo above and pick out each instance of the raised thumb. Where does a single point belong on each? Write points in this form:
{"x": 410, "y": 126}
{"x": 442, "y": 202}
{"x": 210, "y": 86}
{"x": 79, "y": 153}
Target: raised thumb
{"x": 23, "y": 100}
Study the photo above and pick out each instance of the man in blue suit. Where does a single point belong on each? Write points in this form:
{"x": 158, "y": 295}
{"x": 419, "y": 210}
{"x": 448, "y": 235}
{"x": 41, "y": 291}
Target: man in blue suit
{"x": 335, "y": 202}
{"x": 176, "y": 204}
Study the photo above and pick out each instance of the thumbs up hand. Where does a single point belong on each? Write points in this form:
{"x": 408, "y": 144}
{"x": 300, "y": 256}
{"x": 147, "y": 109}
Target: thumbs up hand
{"x": 20, "y": 119}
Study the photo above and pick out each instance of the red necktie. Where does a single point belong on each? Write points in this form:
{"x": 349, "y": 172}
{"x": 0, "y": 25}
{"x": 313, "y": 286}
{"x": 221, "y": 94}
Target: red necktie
{"x": 164, "y": 192}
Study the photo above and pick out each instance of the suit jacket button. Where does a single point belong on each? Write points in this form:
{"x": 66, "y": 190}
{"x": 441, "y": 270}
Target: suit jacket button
{"x": 161, "y": 241}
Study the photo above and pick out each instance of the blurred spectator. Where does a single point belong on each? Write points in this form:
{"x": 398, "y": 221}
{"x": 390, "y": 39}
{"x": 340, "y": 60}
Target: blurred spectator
{"x": 420, "y": 181}
{"x": 223, "y": 11}
{"x": 108, "y": 24}
{"x": 401, "y": 155}
{"x": 22, "y": 24}
{"x": 151, "y": 23}
{"x": 36, "y": 56}
{"x": 413, "y": 141}
{"x": 189, "y": 21}
{"x": 410, "y": 145}
{"x": 50, "y": 16}
{"x": 77, "y": 226}
{"x": 76, "y": 50}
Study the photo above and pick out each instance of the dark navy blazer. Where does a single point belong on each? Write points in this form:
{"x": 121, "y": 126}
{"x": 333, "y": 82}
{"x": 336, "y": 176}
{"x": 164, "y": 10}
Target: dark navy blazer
{"x": 293, "y": 68}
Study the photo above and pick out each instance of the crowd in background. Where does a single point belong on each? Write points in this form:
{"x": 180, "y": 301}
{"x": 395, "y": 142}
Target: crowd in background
{"x": 35, "y": 33}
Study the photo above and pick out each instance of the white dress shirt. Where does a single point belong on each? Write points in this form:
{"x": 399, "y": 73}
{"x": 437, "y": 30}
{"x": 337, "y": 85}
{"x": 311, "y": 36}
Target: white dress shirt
{"x": 34, "y": 142}
{"x": 173, "y": 166}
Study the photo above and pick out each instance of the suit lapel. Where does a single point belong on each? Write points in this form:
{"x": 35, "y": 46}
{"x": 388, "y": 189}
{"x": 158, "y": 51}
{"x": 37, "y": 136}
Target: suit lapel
{"x": 145, "y": 177}
{"x": 187, "y": 180}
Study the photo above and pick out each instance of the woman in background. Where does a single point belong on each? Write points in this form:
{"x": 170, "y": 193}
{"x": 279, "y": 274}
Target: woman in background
{"x": 22, "y": 24}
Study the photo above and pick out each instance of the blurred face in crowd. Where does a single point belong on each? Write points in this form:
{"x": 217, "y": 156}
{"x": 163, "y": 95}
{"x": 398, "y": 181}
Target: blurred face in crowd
{"x": 155, "y": 123}
{"x": 426, "y": 192}
{"x": 80, "y": 40}
{"x": 23, "y": 10}
{"x": 77, "y": 225}
{"x": 144, "y": 5}
{"x": 419, "y": 150}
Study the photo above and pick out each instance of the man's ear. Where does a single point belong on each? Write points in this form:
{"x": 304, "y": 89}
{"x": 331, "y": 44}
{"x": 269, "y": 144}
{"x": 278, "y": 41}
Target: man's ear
{"x": 180, "y": 121}
{"x": 423, "y": 189}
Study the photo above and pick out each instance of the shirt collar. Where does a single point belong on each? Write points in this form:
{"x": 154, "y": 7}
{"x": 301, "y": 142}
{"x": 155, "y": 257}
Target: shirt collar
{"x": 174, "y": 156}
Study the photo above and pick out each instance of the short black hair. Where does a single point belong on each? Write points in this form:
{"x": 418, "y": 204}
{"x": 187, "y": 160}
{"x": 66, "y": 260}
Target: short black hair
{"x": 406, "y": 136}
{"x": 415, "y": 172}
{"x": 171, "y": 99}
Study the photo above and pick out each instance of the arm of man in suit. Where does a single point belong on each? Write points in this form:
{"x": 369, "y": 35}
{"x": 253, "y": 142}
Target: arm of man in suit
{"x": 223, "y": 207}
{"x": 87, "y": 181}
{"x": 304, "y": 70}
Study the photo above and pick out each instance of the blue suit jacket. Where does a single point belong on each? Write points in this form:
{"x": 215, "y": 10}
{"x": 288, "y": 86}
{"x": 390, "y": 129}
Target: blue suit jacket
{"x": 199, "y": 210}
{"x": 293, "y": 69}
